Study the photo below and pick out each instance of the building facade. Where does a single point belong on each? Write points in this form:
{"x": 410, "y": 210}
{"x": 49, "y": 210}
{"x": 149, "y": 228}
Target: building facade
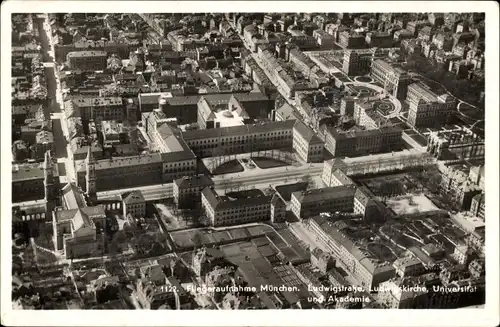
{"x": 305, "y": 204}
{"x": 426, "y": 108}
{"x": 352, "y": 144}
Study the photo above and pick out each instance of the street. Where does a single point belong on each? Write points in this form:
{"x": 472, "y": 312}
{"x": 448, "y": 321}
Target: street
{"x": 54, "y": 109}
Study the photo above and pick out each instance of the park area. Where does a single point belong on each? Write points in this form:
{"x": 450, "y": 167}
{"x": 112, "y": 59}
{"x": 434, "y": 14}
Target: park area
{"x": 265, "y": 163}
{"x": 229, "y": 167}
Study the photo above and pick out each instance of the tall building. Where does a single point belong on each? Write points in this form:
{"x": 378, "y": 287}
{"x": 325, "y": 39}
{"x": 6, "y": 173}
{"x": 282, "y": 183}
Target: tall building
{"x": 394, "y": 79}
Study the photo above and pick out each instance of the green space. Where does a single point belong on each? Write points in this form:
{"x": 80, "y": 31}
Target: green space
{"x": 230, "y": 167}
{"x": 264, "y": 163}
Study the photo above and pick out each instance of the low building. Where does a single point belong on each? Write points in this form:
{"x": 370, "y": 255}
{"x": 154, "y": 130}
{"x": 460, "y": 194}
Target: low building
{"x": 305, "y": 204}
{"x": 133, "y": 204}
{"x": 187, "y": 190}
{"x": 77, "y": 231}
{"x": 221, "y": 210}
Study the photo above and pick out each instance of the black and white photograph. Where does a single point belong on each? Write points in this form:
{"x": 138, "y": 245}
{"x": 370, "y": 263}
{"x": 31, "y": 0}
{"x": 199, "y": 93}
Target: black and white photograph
{"x": 201, "y": 157}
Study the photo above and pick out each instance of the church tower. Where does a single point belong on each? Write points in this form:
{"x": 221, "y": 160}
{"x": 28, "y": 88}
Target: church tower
{"x": 48, "y": 183}
{"x": 90, "y": 176}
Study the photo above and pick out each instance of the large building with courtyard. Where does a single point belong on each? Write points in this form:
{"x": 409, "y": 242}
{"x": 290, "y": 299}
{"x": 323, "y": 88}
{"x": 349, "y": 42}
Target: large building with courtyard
{"x": 428, "y": 109}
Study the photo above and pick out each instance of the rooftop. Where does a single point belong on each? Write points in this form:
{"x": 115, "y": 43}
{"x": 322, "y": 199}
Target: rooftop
{"x": 89, "y": 212}
{"x": 22, "y": 172}
{"x": 97, "y": 102}
{"x": 224, "y": 203}
{"x": 73, "y": 198}
{"x": 306, "y": 132}
{"x": 81, "y": 54}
